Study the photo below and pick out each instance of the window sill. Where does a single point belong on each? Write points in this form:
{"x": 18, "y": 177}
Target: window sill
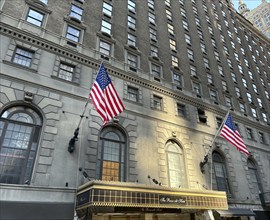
{"x": 20, "y": 66}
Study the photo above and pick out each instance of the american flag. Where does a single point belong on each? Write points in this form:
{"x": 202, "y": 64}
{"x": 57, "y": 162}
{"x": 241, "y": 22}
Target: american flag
{"x": 231, "y": 134}
{"x": 104, "y": 96}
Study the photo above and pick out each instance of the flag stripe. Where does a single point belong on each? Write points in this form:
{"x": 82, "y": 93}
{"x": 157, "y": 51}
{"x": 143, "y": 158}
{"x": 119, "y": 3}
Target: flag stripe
{"x": 104, "y": 96}
{"x": 230, "y": 133}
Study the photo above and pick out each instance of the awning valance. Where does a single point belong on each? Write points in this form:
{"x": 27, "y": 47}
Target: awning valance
{"x": 118, "y": 194}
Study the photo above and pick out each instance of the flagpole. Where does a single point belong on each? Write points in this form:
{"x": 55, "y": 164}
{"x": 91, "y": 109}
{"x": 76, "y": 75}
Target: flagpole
{"x": 211, "y": 160}
{"x": 71, "y": 144}
{"x": 206, "y": 157}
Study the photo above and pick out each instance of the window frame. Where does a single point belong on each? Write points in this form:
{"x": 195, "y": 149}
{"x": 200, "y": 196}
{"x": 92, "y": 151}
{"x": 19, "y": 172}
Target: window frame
{"x": 35, "y": 19}
{"x": 73, "y": 37}
{"x": 122, "y": 156}
{"x": 66, "y": 71}
{"x": 77, "y": 13}
{"x": 17, "y": 55}
{"x": 30, "y": 144}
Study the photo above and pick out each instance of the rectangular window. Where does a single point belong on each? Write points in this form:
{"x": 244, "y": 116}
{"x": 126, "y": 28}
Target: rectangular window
{"x": 234, "y": 77}
{"x": 131, "y": 40}
{"x": 34, "y": 17}
{"x": 190, "y": 54}
{"x": 172, "y": 44}
{"x": 131, "y": 6}
{"x": 206, "y": 62}
{"x": 133, "y": 94}
{"x": 261, "y": 137}
{"x": 151, "y": 4}
{"x": 213, "y": 95}
{"x": 23, "y": 57}
{"x": 174, "y": 61}
{"x": 157, "y": 102}
{"x": 185, "y": 25}
{"x": 106, "y": 27}
{"x": 228, "y": 101}
{"x": 238, "y": 93}
{"x": 170, "y": 29}
{"x": 151, "y": 18}
{"x": 132, "y": 60}
{"x": 73, "y": 34}
{"x": 193, "y": 70}
{"x": 254, "y": 113}
{"x": 76, "y": 12}
{"x": 203, "y": 47}
{"x": 156, "y": 72}
{"x": 131, "y": 22}
{"x": 244, "y": 81}
{"x": 66, "y": 71}
{"x": 249, "y": 133}
{"x": 169, "y": 14}
{"x": 187, "y": 39}
{"x": 220, "y": 70}
{"x": 153, "y": 34}
{"x": 209, "y": 78}
{"x": 224, "y": 85}
{"x": 168, "y": 3}
{"x": 219, "y": 122}
{"x": 249, "y": 97}
{"x": 181, "y": 110}
{"x": 105, "y": 48}
{"x": 196, "y": 88}
{"x": 265, "y": 118}
{"x": 177, "y": 79}
{"x": 242, "y": 107}
{"x": 154, "y": 51}
{"x": 107, "y": 9}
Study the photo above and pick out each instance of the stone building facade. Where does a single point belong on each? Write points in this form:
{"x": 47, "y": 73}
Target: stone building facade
{"x": 178, "y": 66}
{"x": 259, "y": 16}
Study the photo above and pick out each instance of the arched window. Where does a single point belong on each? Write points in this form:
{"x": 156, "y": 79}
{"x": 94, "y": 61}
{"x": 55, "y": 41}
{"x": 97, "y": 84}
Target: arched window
{"x": 111, "y": 155}
{"x": 254, "y": 176}
{"x": 176, "y": 165}
{"x": 220, "y": 172}
{"x": 19, "y": 133}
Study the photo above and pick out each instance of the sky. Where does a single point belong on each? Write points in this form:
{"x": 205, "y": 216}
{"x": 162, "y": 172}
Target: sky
{"x": 251, "y": 4}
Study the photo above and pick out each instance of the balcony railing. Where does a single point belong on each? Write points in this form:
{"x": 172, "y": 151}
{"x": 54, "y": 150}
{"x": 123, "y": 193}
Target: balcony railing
{"x": 265, "y": 198}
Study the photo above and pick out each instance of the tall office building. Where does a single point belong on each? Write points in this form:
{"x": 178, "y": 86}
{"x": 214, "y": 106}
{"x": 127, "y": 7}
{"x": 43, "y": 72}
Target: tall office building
{"x": 259, "y": 16}
{"x": 179, "y": 66}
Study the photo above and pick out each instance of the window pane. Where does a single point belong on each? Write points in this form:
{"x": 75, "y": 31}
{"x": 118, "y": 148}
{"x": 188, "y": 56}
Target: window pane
{"x": 106, "y": 27}
{"x": 23, "y": 57}
{"x": 111, "y": 156}
{"x": 66, "y": 72}
{"x": 35, "y": 17}
{"x": 176, "y": 166}
{"x": 16, "y": 153}
{"x": 73, "y": 34}
{"x": 76, "y": 12}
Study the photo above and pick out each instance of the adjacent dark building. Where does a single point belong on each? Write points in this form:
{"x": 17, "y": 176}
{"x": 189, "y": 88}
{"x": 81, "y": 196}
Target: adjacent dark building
{"x": 178, "y": 65}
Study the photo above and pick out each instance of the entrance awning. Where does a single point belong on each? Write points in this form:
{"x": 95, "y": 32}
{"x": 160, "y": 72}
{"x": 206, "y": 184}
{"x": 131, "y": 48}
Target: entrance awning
{"x": 101, "y": 196}
{"x": 235, "y": 212}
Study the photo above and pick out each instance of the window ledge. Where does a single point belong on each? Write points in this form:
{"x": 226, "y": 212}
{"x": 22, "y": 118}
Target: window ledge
{"x": 75, "y": 23}
{"x": 20, "y": 66}
{"x": 106, "y": 37}
{"x": 39, "y": 5}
